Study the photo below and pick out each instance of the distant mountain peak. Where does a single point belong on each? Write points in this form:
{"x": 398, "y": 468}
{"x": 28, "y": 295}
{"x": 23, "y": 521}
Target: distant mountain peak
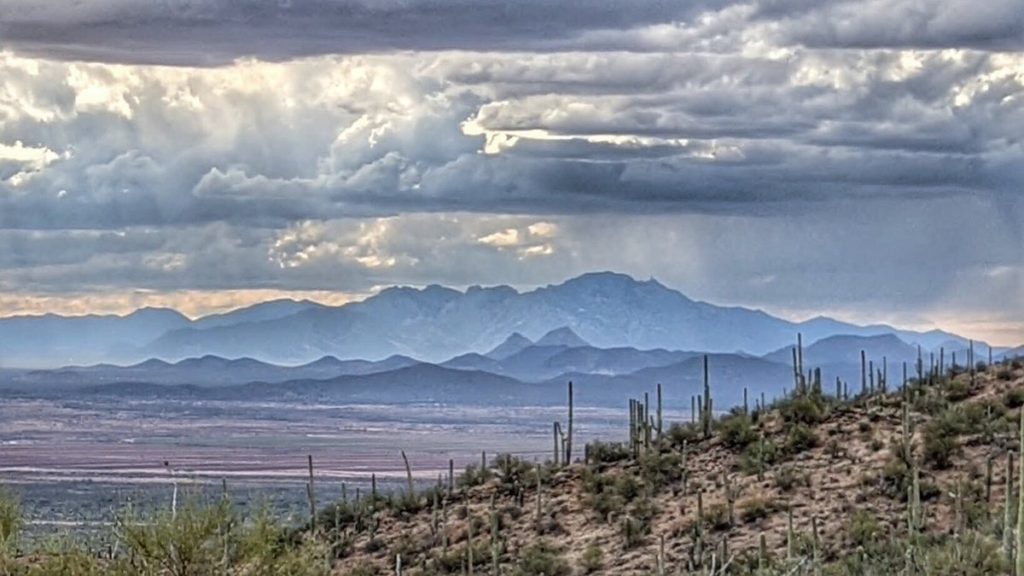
{"x": 512, "y": 345}
{"x": 611, "y": 278}
{"x": 563, "y": 336}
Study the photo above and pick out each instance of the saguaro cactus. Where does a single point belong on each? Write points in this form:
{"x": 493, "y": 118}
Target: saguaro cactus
{"x": 706, "y": 412}
{"x": 495, "y": 546}
{"x": 863, "y": 373}
{"x": 557, "y": 441}
{"x": 469, "y": 541}
{"x": 659, "y": 420}
{"x": 685, "y": 466}
{"x": 1020, "y": 501}
{"x": 1007, "y": 509}
{"x": 311, "y": 494}
{"x": 568, "y": 441}
{"x": 410, "y": 485}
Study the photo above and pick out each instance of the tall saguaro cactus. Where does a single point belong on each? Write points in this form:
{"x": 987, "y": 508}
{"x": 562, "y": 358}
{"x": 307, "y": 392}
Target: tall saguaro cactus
{"x": 311, "y": 494}
{"x": 659, "y": 421}
{"x": 410, "y": 485}
{"x": 863, "y": 373}
{"x": 1020, "y": 501}
{"x": 706, "y": 411}
{"x": 1007, "y": 509}
{"x": 568, "y": 440}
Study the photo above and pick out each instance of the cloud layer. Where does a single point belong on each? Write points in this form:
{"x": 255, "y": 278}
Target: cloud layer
{"x": 856, "y": 156}
{"x": 211, "y": 32}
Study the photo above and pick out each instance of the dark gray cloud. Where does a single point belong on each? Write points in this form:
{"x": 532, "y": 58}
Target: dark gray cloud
{"x": 993, "y": 24}
{"x": 210, "y": 32}
{"x": 215, "y": 32}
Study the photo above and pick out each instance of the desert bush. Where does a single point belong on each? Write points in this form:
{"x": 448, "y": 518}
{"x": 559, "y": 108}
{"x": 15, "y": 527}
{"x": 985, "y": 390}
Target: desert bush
{"x": 636, "y": 525}
{"x": 755, "y": 454}
{"x": 896, "y": 478}
{"x": 454, "y": 560}
{"x": 863, "y": 529}
{"x": 975, "y": 555}
{"x": 737, "y": 431}
{"x": 679, "y": 433}
{"x": 10, "y": 522}
{"x": 756, "y": 508}
{"x": 592, "y": 559}
{"x": 473, "y": 475}
{"x": 807, "y": 409}
{"x": 364, "y": 569}
{"x": 940, "y": 443}
{"x": 958, "y": 390}
{"x": 542, "y": 559}
{"x": 800, "y": 438}
{"x": 717, "y": 516}
{"x": 659, "y": 468}
{"x": 207, "y": 538}
{"x": 1014, "y": 397}
{"x": 180, "y": 543}
{"x": 63, "y": 556}
{"x": 512, "y": 471}
{"x": 608, "y": 494}
{"x": 788, "y": 478}
{"x": 607, "y": 452}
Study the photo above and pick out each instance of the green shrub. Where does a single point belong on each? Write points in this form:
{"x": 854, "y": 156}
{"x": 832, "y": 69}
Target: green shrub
{"x": 737, "y": 432}
{"x": 364, "y": 569}
{"x": 198, "y": 538}
{"x": 679, "y": 433}
{"x": 800, "y": 439}
{"x": 10, "y": 522}
{"x": 940, "y": 439}
{"x": 473, "y": 475}
{"x": 807, "y": 409}
{"x": 757, "y": 508}
{"x": 636, "y": 525}
{"x": 660, "y": 468}
{"x": 863, "y": 529}
{"x": 608, "y": 494}
{"x": 607, "y": 452}
{"x": 975, "y": 555}
{"x": 788, "y": 478}
{"x": 717, "y": 516}
{"x": 512, "y": 471}
{"x": 542, "y": 559}
{"x": 895, "y": 479}
{"x": 751, "y": 459}
{"x": 592, "y": 559}
{"x": 63, "y": 556}
{"x": 183, "y": 543}
{"x": 1014, "y": 397}
{"x": 939, "y": 451}
{"x": 958, "y": 390}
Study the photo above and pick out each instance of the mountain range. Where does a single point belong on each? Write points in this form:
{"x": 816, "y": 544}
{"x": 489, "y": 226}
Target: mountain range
{"x": 516, "y": 371}
{"x": 480, "y": 328}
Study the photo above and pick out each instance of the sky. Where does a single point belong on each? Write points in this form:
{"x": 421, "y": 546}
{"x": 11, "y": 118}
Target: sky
{"x": 857, "y": 158}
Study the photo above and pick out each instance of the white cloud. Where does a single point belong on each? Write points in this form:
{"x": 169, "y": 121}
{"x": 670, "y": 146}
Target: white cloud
{"x": 501, "y": 238}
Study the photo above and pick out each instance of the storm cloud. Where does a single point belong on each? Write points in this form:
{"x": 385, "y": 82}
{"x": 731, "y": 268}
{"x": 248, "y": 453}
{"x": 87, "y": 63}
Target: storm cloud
{"x": 859, "y": 157}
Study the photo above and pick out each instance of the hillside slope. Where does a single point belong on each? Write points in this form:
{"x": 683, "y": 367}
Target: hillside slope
{"x": 829, "y": 494}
